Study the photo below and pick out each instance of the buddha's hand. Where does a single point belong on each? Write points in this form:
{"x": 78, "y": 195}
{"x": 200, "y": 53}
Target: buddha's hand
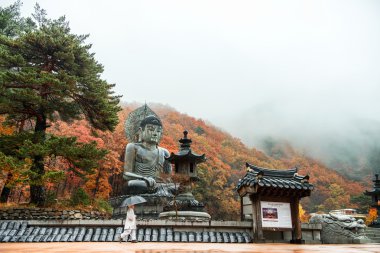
{"x": 150, "y": 182}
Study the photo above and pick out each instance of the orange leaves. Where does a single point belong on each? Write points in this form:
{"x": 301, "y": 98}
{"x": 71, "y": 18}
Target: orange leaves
{"x": 303, "y": 215}
{"x": 98, "y": 185}
{"x": 79, "y": 129}
{"x": 332, "y": 191}
{"x": 372, "y": 215}
{"x": 6, "y": 130}
{"x": 169, "y": 144}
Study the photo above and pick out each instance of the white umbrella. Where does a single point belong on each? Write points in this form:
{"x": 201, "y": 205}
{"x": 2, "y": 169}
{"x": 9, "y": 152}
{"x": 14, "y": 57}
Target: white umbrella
{"x": 133, "y": 200}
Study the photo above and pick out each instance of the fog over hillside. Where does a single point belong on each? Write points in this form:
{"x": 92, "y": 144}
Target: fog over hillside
{"x": 344, "y": 140}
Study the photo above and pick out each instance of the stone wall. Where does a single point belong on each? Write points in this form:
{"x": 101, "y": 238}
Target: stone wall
{"x": 49, "y": 214}
{"x": 311, "y": 234}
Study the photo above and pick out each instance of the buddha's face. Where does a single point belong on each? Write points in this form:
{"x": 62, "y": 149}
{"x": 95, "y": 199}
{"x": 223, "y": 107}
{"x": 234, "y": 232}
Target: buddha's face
{"x": 151, "y": 133}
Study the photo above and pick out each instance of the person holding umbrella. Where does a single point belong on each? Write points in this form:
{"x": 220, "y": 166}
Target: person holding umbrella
{"x": 130, "y": 221}
{"x": 130, "y": 225}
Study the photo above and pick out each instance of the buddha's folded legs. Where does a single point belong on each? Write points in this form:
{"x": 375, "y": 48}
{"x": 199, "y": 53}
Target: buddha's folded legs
{"x": 140, "y": 187}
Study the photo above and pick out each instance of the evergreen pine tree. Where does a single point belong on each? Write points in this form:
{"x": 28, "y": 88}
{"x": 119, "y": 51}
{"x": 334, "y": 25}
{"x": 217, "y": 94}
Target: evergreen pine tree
{"x": 47, "y": 73}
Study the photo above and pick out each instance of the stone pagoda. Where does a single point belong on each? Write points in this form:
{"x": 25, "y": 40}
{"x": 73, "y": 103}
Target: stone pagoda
{"x": 184, "y": 206}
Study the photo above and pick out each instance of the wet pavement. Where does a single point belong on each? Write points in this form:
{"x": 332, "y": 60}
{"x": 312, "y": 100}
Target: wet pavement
{"x": 84, "y": 247}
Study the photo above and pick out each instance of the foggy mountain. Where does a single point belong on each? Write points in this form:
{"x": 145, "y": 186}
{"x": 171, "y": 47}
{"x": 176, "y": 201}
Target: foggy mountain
{"x": 346, "y": 143}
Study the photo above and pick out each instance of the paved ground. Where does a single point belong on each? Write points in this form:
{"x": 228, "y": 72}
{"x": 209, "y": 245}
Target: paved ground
{"x": 84, "y": 247}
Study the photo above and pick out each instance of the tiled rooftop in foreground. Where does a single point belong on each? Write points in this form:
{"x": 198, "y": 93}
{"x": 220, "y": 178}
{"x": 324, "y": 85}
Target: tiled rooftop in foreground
{"x": 22, "y": 231}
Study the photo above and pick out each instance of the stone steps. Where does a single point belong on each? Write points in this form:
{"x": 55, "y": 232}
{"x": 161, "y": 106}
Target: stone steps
{"x": 17, "y": 231}
{"x": 373, "y": 234}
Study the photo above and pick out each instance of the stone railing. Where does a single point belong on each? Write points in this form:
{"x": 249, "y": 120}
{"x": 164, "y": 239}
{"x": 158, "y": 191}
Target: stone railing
{"x": 50, "y": 214}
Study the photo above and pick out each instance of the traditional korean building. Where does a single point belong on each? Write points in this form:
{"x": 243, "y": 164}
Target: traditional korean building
{"x": 271, "y": 199}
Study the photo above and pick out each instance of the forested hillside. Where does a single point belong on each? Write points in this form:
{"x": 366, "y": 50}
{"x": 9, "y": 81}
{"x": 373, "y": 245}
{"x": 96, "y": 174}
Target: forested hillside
{"x": 225, "y": 165}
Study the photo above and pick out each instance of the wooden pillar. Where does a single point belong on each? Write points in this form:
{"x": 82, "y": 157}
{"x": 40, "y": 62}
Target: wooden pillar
{"x": 258, "y": 235}
{"x": 297, "y": 232}
{"x": 257, "y": 223}
{"x": 254, "y": 217}
{"x": 297, "y": 225}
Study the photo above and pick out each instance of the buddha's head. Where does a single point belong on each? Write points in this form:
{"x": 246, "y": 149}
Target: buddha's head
{"x": 150, "y": 130}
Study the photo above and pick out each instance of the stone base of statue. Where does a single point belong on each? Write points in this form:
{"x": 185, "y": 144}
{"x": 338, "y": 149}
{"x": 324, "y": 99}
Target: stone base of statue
{"x": 156, "y": 199}
{"x": 185, "y": 216}
{"x": 184, "y": 207}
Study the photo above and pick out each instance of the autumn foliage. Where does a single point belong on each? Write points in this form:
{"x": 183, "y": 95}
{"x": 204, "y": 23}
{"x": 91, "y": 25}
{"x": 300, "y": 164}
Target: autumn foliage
{"x": 225, "y": 165}
{"x": 303, "y": 215}
{"x": 372, "y": 215}
{"x": 12, "y": 175}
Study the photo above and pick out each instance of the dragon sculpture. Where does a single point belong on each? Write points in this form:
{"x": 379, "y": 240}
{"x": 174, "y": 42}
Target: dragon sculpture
{"x": 340, "y": 228}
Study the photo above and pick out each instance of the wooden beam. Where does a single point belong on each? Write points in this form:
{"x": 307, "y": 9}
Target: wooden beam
{"x": 287, "y": 193}
{"x": 251, "y": 189}
{"x": 277, "y": 192}
{"x": 242, "y": 191}
{"x": 267, "y": 191}
{"x": 246, "y": 189}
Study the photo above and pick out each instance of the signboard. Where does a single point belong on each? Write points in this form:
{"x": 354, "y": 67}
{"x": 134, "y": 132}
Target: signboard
{"x": 276, "y": 214}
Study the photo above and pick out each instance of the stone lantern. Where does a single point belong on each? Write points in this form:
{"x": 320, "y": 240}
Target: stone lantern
{"x": 184, "y": 206}
{"x": 375, "y": 194}
{"x": 185, "y": 161}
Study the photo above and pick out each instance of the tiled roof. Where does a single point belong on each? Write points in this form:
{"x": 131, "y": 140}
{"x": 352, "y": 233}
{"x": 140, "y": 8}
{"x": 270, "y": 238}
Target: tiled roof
{"x": 186, "y": 155}
{"x": 287, "y": 180}
{"x": 372, "y": 192}
{"x": 20, "y": 231}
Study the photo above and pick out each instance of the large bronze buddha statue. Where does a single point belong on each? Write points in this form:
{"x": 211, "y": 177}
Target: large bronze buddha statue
{"x": 145, "y": 163}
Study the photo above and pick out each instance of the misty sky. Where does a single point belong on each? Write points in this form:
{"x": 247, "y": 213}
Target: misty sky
{"x": 292, "y": 69}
